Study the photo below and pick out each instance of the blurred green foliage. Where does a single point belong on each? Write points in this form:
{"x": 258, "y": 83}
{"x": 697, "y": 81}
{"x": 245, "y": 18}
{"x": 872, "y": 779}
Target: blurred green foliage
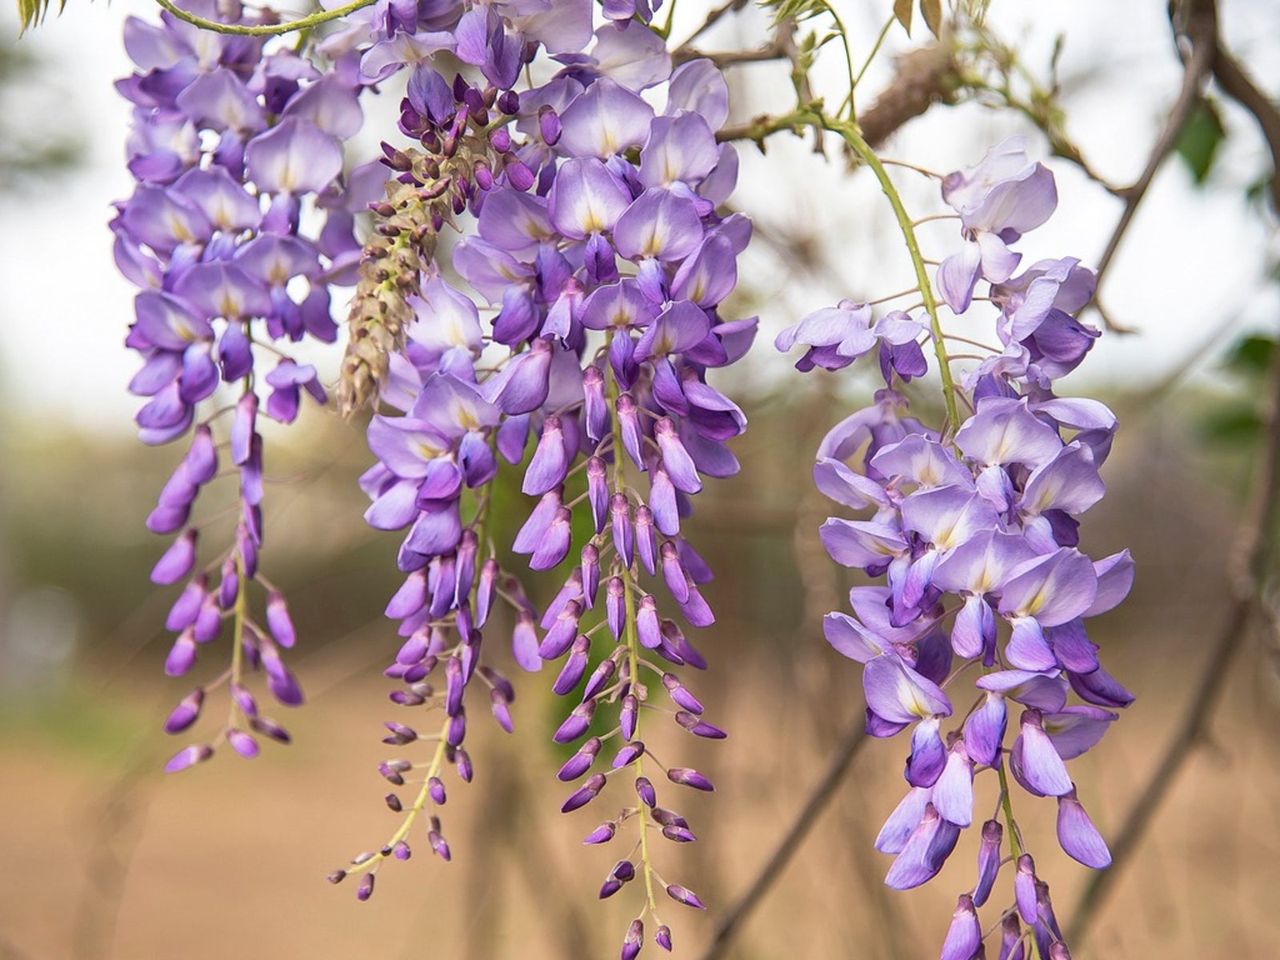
{"x": 28, "y": 155}
{"x": 1200, "y": 138}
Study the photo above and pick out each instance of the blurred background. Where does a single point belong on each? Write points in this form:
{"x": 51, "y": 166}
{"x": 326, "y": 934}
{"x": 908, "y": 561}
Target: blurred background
{"x": 103, "y": 857}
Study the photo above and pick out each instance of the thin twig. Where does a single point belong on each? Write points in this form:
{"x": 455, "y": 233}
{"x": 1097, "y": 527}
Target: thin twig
{"x": 817, "y": 801}
{"x": 1200, "y": 30}
{"x": 683, "y": 52}
{"x": 924, "y": 77}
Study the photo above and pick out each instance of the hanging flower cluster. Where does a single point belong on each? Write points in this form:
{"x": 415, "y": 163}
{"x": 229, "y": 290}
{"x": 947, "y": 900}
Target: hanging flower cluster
{"x": 234, "y": 143}
{"x": 973, "y": 530}
{"x": 597, "y": 250}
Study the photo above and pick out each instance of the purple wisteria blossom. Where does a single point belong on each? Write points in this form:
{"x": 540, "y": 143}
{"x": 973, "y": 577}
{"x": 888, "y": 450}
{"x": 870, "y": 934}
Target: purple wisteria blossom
{"x": 580, "y": 349}
{"x": 235, "y": 142}
{"x": 972, "y": 531}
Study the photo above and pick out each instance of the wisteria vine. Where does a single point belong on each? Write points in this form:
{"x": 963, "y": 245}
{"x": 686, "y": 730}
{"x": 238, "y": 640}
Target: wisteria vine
{"x": 974, "y": 528}
{"x": 537, "y": 267}
{"x": 233, "y": 146}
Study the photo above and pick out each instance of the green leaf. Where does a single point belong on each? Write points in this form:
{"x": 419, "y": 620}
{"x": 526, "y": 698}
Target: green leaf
{"x": 1250, "y": 355}
{"x": 902, "y": 13}
{"x": 1198, "y": 143}
{"x": 32, "y": 12}
{"x": 931, "y": 10}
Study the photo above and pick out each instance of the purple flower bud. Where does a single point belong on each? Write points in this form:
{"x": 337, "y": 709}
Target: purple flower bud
{"x": 242, "y": 428}
{"x": 188, "y": 756}
{"x": 548, "y": 126}
{"x": 186, "y": 712}
{"x": 1024, "y": 888}
{"x": 242, "y": 743}
{"x": 229, "y": 587}
{"x": 200, "y": 465}
{"x": 414, "y": 650}
{"x": 599, "y": 678}
{"x": 244, "y": 700}
{"x": 683, "y": 895}
{"x": 484, "y": 591}
{"x": 278, "y": 620}
{"x": 336, "y": 876}
{"x": 550, "y": 462}
{"x": 269, "y": 728}
{"x": 645, "y": 791}
{"x": 615, "y": 606}
{"x": 628, "y": 754}
{"x": 401, "y": 850}
{"x": 575, "y": 725}
{"x": 610, "y": 886}
{"x": 988, "y": 860}
{"x": 597, "y": 492}
{"x": 584, "y": 794}
{"x": 580, "y": 762}
{"x": 208, "y": 621}
{"x": 699, "y": 727}
{"x": 365, "y": 890}
{"x": 499, "y": 706}
{"x": 646, "y": 543}
{"x": 435, "y": 788}
{"x": 689, "y": 778}
{"x": 574, "y": 667}
{"x": 1078, "y": 836}
{"x": 1035, "y": 762}
{"x": 562, "y": 633}
{"x": 624, "y": 870}
{"x": 438, "y": 845}
{"x": 1011, "y": 945}
{"x": 602, "y": 834}
{"x": 928, "y": 755}
{"x": 680, "y": 694}
{"x": 555, "y": 543}
{"x": 629, "y": 420}
{"x": 185, "y": 609}
{"x": 455, "y": 685}
{"x": 627, "y": 716}
{"x": 457, "y": 729}
{"x": 393, "y": 803}
{"x": 675, "y": 458}
{"x": 463, "y": 766}
{"x": 590, "y": 573}
{"x": 964, "y": 937}
{"x": 648, "y": 627}
{"x": 663, "y": 937}
{"x": 182, "y": 655}
{"x": 633, "y": 941}
{"x": 176, "y": 562}
{"x": 623, "y": 535}
{"x": 519, "y": 175}
{"x": 677, "y": 833}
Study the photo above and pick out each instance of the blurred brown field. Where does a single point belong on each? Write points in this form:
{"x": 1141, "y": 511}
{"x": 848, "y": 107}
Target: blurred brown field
{"x": 106, "y": 858}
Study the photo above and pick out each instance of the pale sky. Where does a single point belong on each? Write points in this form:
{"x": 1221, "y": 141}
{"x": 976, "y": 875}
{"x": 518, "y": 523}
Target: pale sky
{"x": 1193, "y": 258}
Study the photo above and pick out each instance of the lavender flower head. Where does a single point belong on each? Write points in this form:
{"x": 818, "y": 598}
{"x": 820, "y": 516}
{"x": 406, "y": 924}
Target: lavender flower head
{"x": 972, "y": 532}
{"x": 235, "y": 142}
{"x": 580, "y": 349}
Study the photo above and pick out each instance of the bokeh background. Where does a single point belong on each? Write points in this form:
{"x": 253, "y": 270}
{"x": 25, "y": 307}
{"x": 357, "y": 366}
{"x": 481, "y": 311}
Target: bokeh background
{"x": 103, "y": 857}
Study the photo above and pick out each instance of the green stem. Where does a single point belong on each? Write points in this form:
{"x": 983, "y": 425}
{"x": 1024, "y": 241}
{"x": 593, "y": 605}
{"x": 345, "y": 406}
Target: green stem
{"x": 1006, "y": 804}
{"x": 884, "y": 32}
{"x": 812, "y": 116}
{"x": 265, "y": 29}
{"x": 853, "y": 137}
